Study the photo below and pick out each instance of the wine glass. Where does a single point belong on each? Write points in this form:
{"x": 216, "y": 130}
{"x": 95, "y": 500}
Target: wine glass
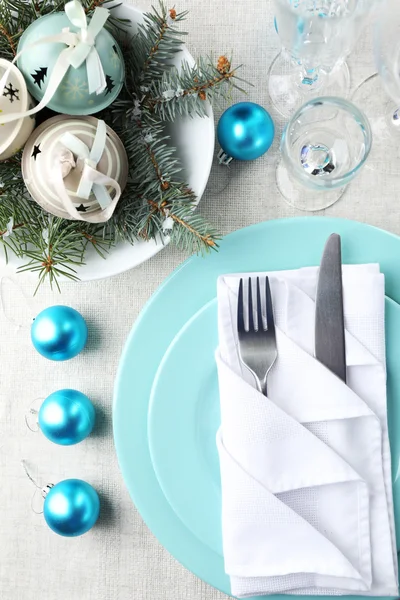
{"x": 316, "y": 38}
{"x": 379, "y": 95}
{"x": 323, "y": 147}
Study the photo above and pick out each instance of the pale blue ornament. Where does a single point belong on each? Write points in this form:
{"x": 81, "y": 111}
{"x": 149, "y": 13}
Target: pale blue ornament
{"x": 245, "y": 132}
{"x": 71, "y": 507}
{"x": 59, "y": 333}
{"x": 72, "y": 96}
{"x": 66, "y": 417}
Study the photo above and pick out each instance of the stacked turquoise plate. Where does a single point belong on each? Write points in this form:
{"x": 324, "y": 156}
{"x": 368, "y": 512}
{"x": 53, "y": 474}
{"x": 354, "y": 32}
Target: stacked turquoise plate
{"x": 166, "y": 407}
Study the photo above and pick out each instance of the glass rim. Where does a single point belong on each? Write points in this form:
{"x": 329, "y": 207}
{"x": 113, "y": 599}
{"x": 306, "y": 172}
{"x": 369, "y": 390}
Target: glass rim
{"x": 340, "y": 180}
{"x": 368, "y": 4}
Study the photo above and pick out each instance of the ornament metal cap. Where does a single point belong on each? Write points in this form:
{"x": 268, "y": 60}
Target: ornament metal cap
{"x": 224, "y": 158}
{"x": 46, "y": 489}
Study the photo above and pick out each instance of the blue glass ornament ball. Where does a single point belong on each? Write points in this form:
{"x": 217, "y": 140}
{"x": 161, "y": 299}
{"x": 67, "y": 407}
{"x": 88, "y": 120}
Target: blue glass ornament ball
{"x": 59, "y": 333}
{"x": 245, "y": 131}
{"x": 71, "y": 507}
{"x": 66, "y": 417}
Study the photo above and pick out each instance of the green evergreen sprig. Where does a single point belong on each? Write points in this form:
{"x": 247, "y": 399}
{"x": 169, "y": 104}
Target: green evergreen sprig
{"x": 157, "y": 203}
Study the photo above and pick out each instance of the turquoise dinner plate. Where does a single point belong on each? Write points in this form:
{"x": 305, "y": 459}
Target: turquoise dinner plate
{"x": 273, "y": 245}
{"x": 190, "y": 480}
{"x": 183, "y": 449}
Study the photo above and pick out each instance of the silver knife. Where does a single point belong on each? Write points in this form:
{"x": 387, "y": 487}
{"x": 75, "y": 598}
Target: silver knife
{"x": 329, "y": 319}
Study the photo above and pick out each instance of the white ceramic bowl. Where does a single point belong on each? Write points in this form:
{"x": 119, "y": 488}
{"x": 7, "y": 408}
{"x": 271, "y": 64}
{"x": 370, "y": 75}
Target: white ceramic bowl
{"x": 15, "y": 99}
{"x": 194, "y": 140}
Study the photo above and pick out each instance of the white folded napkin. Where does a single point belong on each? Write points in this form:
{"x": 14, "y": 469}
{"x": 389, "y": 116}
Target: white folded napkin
{"x": 306, "y": 483}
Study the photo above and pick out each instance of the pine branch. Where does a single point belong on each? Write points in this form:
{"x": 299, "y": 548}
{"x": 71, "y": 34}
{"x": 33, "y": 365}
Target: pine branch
{"x": 156, "y": 203}
{"x": 7, "y": 35}
{"x": 58, "y": 250}
{"x": 184, "y": 91}
{"x": 155, "y": 191}
{"x": 93, "y": 4}
{"x": 187, "y": 227}
{"x": 13, "y": 228}
{"x": 158, "y": 40}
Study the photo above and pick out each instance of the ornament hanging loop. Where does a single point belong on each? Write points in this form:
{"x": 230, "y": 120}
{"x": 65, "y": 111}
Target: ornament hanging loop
{"x": 31, "y": 416}
{"x": 9, "y": 318}
{"x": 46, "y": 489}
{"x": 43, "y": 489}
{"x": 27, "y": 473}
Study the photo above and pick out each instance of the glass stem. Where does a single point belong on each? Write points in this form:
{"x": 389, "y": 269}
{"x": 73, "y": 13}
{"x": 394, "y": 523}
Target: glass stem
{"x": 310, "y": 77}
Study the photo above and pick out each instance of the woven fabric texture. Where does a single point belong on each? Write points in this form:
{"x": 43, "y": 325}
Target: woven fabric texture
{"x": 120, "y": 559}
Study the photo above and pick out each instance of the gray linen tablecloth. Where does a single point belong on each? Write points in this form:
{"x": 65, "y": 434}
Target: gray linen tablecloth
{"x": 120, "y": 559}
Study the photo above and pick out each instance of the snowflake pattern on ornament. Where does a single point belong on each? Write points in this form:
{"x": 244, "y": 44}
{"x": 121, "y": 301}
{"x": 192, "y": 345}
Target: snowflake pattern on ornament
{"x": 11, "y": 93}
{"x": 77, "y": 89}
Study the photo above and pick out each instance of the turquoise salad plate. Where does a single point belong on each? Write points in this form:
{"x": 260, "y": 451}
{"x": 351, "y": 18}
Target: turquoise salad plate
{"x": 166, "y": 405}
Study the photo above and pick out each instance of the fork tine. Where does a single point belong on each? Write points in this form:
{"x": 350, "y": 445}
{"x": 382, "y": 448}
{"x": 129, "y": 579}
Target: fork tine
{"x": 260, "y": 324}
{"x": 270, "y": 313}
{"x": 250, "y": 308}
{"x": 240, "y": 321}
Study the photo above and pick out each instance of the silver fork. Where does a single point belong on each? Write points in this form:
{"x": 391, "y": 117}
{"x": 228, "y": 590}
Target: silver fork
{"x": 257, "y": 343}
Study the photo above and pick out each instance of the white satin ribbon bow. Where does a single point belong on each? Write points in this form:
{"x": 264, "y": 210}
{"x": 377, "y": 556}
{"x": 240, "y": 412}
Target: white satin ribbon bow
{"x": 80, "y": 48}
{"x": 91, "y": 179}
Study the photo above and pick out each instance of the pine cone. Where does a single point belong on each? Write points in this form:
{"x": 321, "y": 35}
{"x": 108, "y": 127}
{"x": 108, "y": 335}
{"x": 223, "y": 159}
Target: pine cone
{"x": 223, "y": 65}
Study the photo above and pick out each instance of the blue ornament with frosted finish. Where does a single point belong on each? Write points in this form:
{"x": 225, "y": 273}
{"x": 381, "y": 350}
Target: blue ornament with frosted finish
{"x": 66, "y": 417}
{"x": 245, "y": 132}
{"x": 71, "y": 507}
{"x": 59, "y": 333}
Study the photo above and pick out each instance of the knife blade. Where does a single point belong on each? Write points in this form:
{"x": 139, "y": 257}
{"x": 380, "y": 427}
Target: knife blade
{"x": 330, "y": 347}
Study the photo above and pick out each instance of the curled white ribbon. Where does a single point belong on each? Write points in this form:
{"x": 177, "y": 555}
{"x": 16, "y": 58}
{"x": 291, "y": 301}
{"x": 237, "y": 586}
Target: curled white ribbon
{"x": 80, "y": 48}
{"x": 91, "y": 179}
{"x": 85, "y": 49}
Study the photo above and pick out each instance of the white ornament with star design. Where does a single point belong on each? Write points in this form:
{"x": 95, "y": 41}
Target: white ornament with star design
{"x": 75, "y": 168}
{"x": 15, "y": 98}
